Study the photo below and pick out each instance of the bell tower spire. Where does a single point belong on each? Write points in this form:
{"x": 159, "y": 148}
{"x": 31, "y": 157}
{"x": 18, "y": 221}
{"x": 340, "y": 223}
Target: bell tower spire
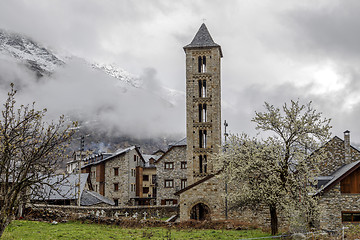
{"x": 203, "y": 104}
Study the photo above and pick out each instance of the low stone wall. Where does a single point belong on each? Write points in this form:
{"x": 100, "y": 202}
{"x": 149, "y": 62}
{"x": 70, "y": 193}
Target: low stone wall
{"x": 135, "y": 212}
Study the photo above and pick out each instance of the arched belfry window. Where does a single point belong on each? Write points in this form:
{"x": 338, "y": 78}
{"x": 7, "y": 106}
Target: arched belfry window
{"x": 199, "y": 64}
{"x": 202, "y": 164}
{"x": 202, "y": 64}
{"x": 202, "y": 113}
{"x": 202, "y": 88}
{"x": 202, "y": 138}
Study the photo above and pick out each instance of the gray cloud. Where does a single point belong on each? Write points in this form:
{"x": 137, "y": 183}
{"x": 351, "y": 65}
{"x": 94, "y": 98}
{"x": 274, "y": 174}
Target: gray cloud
{"x": 272, "y": 52}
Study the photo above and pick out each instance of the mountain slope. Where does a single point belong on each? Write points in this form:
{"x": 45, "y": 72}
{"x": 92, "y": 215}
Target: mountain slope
{"x": 112, "y": 104}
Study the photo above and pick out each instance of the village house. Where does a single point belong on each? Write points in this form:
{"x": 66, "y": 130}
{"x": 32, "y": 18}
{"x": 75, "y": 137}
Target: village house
{"x": 339, "y": 184}
{"x": 115, "y": 176}
{"x": 171, "y": 170}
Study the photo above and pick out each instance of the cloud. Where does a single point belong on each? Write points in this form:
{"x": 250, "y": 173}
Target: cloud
{"x": 102, "y": 102}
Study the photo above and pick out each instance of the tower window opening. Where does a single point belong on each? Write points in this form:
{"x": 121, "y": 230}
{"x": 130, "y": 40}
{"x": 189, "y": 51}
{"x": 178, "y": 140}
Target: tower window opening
{"x": 203, "y": 67}
{"x": 204, "y": 113}
{"x": 202, "y": 164}
{"x": 199, "y": 64}
{"x": 202, "y": 138}
{"x": 202, "y": 64}
{"x": 200, "y": 88}
{"x": 200, "y": 113}
{"x": 203, "y": 89}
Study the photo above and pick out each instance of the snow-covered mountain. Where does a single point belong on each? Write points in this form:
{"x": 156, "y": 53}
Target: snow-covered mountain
{"x": 33, "y": 55}
{"x": 44, "y": 61}
{"x": 111, "y": 103}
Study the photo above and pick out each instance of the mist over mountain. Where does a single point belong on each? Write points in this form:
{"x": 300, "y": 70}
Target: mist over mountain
{"x": 114, "y": 107}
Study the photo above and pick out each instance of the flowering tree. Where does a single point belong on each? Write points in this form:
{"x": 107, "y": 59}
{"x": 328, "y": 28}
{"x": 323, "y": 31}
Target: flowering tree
{"x": 30, "y": 152}
{"x": 277, "y": 172}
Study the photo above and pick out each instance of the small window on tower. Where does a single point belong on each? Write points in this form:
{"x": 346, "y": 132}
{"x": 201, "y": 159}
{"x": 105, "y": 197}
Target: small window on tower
{"x": 199, "y": 64}
{"x": 203, "y": 64}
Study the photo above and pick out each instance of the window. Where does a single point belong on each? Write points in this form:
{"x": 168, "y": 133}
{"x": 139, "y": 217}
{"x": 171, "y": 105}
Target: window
{"x": 202, "y": 88}
{"x": 350, "y": 216}
{"x": 202, "y": 64}
{"x": 116, "y": 187}
{"x": 116, "y": 201}
{"x": 116, "y": 171}
{"x": 145, "y": 178}
{"x": 202, "y": 113}
{"x": 134, "y": 158}
{"x": 183, "y": 165}
{"x": 132, "y": 187}
{"x": 202, "y": 164}
{"x": 153, "y": 180}
{"x": 169, "y": 183}
{"x": 183, "y": 183}
{"x": 169, "y": 202}
{"x": 145, "y": 189}
{"x": 169, "y": 165}
{"x": 202, "y": 138}
{"x": 133, "y": 173}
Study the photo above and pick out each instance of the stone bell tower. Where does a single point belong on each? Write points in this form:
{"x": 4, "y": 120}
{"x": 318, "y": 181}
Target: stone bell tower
{"x": 203, "y": 104}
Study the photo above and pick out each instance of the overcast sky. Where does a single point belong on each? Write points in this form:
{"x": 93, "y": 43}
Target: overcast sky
{"x": 274, "y": 51}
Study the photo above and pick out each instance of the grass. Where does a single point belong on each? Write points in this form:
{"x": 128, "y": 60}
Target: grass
{"x": 22, "y": 229}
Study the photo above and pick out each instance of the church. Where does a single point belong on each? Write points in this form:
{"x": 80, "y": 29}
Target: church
{"x": 203, "y": 198}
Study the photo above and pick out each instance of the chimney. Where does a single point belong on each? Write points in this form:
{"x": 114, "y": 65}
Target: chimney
{"x": 347, "y": 147}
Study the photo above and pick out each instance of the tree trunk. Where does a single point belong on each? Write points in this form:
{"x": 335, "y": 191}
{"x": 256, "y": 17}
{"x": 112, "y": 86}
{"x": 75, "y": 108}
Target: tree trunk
{"x": 274, "y": 220}
{"x": 3, "y": 224}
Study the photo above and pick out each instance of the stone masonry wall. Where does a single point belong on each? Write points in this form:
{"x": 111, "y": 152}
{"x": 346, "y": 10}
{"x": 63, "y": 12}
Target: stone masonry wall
{"x": 176, "y": 155}
{"x": 336, "y": 156}
{"x": 213, "y": 104}
{"x": 151, "y": 211}
{"x": 332, "y": 203}
{"x": 124, "y": 162}
{"x": 210, "y": 193}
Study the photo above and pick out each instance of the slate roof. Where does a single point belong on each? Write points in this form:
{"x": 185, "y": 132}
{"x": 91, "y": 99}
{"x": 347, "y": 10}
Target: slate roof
{"x": 182, "y": 142}
{"x": 63, "y": 188}
{"x": 203, "y": 39}
{"x": 108, "y": 156}
{"x": 89, "y": 198}
{"x": 147, "y": 160}
{"x": 338, "y": 175}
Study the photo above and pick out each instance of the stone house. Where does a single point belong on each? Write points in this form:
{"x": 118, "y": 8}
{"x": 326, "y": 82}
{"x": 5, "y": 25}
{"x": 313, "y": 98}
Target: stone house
{"x": 116, "y": 176}
{"x": 171, "y": 170}
{"x": 339, "y": 185}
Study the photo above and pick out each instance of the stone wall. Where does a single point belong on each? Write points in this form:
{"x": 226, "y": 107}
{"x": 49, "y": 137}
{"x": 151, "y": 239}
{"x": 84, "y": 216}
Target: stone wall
{"x": 210, "y": 193}
{"x": 332, "y": 203}
{"x": 213, "y": 106}
{"x": 130, "y": 211}
{"x": 176, "y": 154}
{"x": 335, "y": 149}
{"x": 125, "y": 163}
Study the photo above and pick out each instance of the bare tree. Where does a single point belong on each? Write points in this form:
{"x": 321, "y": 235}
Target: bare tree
{"x": 30, "y": 152}
{"x": 277, "y": 172}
